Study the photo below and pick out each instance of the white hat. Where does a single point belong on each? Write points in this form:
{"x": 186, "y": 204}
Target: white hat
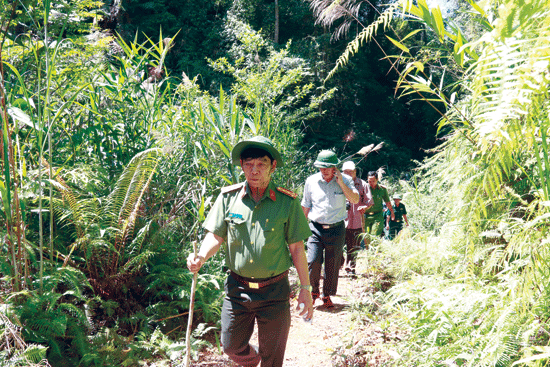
{"x": 348, "y": 165}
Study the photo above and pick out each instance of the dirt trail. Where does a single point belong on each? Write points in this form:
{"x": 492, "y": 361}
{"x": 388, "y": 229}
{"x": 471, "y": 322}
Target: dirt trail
{"x": 313, "y": 344}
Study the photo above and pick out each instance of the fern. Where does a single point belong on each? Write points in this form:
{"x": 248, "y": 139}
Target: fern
{"x": 123, "y": 203}
{"x": 32, "y": 355}
{"x": 102, "y": 232}
{"x": 52, "y": 318}
{"x": 494, "y": 170}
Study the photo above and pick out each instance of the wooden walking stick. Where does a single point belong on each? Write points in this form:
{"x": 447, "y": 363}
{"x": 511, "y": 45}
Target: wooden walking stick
{"x": 191, "y": 307}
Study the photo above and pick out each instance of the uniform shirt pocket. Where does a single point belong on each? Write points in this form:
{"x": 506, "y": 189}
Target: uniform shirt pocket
{"x": 337, "y": 199}
{"x": 273, "y": 230}
{"x": 236, "y": 230}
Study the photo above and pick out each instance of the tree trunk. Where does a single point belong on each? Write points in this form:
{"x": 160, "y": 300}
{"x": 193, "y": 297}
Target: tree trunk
{"x": 276, "y": 38}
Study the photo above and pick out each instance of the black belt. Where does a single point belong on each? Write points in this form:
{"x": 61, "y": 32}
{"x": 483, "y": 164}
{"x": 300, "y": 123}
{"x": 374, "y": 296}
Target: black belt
{"x": 397, "y": 221}
{"x": 328, "y": 226}
{"x": 258, "y": 283}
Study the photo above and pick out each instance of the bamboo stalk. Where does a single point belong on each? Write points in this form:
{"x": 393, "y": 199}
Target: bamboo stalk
{"x": 191, "y": 307}
{"x": 14, "y": 225}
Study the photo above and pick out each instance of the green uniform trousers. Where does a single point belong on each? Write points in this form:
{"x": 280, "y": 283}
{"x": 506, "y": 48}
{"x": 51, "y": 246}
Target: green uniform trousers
{"x": 374, "y": 224}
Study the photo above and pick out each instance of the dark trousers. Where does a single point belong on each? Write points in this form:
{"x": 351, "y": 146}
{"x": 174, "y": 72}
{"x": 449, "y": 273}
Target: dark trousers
{"x": 395, "y": 228}
{"x": 270, "y": 308}
{"x": 325, "y": 245}
{"x": 353, "y": 245}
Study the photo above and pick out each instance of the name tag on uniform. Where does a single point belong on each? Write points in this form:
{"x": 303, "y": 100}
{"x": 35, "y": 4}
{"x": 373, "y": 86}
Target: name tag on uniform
{"x": 235, "y": 215}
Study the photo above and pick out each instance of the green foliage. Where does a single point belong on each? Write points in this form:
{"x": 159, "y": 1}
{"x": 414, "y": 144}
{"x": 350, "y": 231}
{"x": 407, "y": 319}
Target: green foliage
{"x": 111, "y": 349}
{"x": 169, "y": 292}
{"x": 268, "y": 78}
{"x": 124, "y": 213}
{"x": 53, "y": 317}
{"x": 14, "y": 351}
{"x": 199, "y": 28}
{"x": 295, "y": 19}
{"x": 460, "y": 323}
{"x": 364, "y": 36}
{"x": 474, "y": 271}
{"x": 69, "y": 17}
{"x": 104, "y": 234}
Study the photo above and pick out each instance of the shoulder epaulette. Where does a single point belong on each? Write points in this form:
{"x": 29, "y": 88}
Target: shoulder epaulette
{"x": 287, "y": 192}
{"x": 231, "y": 188}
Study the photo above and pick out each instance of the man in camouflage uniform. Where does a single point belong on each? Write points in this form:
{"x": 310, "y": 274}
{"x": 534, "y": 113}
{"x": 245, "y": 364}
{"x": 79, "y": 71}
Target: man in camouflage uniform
{"x": 396, "y": 225}
{"x": 374, "y": 216}
{"x": 262, "y": 228}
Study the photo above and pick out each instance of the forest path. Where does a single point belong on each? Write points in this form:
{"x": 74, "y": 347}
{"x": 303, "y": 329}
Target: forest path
{"x": 327, "y": 340}
{"x": 311, "y": 344}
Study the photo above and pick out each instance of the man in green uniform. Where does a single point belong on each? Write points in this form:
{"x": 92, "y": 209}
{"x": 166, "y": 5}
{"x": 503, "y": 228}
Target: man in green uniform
{"x": 374, "y": 216}
{"x": 262, "y": 228}
{"x": 396, "y": 225}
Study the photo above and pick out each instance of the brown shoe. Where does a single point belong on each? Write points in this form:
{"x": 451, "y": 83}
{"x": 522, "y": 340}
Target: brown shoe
{"x": 327, "y": 302}
{"x": 314, "y": 296}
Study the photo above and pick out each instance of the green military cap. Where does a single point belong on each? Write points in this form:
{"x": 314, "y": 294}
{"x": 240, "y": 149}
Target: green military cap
{"x": 396, "y": 196}
{"x": 260, "y": 142}
{"x": 326, "y": 159}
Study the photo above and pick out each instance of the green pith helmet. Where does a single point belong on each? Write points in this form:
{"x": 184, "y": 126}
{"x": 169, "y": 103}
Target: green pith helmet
{"x": 326, "y": 159}
{"x": 260, "y": 142}
{"x": 396, "y": 196}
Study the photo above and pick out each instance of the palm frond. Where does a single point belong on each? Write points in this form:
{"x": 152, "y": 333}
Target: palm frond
{"x": 328, "y": 12}
{"x": 364, "y": 36}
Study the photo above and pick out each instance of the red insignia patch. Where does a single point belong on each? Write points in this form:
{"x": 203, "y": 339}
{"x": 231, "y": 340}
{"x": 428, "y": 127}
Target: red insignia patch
{"x": 272, "y": 195}
{"x": 287, "y": 192}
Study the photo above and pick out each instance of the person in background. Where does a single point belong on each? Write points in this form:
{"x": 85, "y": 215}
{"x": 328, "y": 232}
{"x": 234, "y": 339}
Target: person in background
{"x": 374, "y": 216}
{"x": 396, "y": 225}
{"x": 355, "y": 217}
{"x": 262, "y": 228}
{"x": 324, "y": 203}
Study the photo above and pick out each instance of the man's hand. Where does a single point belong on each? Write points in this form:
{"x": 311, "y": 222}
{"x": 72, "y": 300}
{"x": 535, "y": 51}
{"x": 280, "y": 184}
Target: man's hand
{"x": 305, "y": 298}
{"x": 362, "y": 209}
{"x": 351, "y": 194}
{"x": 210, "y": 245}
{"x": 195, "y": 263}
{"x": 338, "y": 175}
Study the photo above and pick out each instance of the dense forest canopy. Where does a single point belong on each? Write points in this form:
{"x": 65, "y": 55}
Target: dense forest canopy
{"x": 118, "y": 119}
{"x": 365, "y": 103}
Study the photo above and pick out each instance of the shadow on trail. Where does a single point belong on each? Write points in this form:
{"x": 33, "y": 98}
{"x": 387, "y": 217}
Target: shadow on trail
{"x": 338, "y": 307}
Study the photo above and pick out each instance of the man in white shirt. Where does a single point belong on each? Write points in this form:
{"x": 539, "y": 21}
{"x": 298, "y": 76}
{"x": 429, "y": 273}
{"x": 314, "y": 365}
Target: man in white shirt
{"x": 324, "y": 204}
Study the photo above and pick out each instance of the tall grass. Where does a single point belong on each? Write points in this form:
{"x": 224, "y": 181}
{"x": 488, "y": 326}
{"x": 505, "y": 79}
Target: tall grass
{"x": 133, "y": 164}
{"x": 473, "y": 274}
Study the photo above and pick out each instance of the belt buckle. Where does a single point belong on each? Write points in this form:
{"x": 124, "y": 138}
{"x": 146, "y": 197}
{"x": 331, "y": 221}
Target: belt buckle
{"x": 254, "y": 285}
{"x": 326, "y": 226}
